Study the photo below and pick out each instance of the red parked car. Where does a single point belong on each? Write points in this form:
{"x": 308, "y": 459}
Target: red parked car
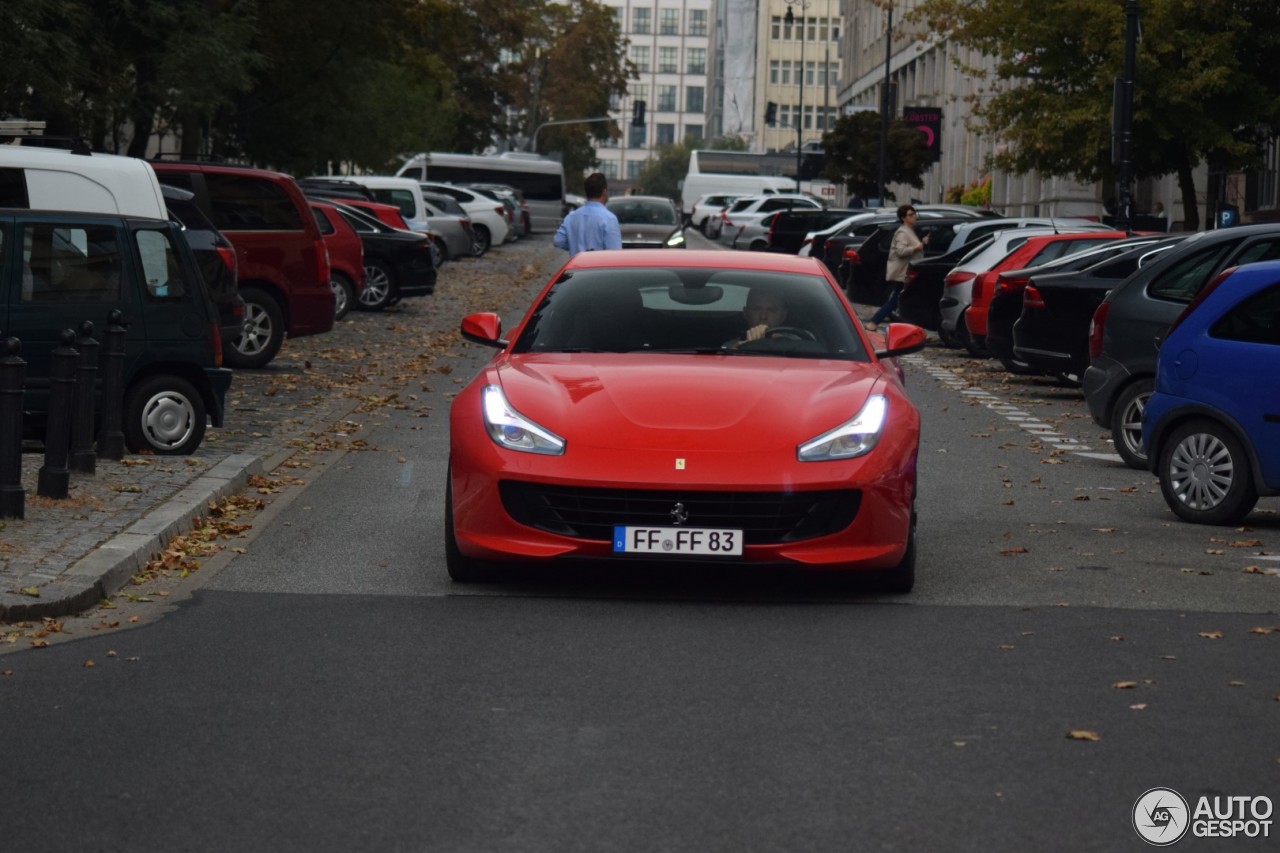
{"x": 346, "y": 257}
{"x": 281, "y": 260}
{"x": 677, "y": 404}
{"x": 1035, "y": 251}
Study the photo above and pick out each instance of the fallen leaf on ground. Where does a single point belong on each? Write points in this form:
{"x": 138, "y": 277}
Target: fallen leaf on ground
{"x": 1083, "y": 734}
{"x": 1125, "y": 685}
{"x": 1211, "y": 635}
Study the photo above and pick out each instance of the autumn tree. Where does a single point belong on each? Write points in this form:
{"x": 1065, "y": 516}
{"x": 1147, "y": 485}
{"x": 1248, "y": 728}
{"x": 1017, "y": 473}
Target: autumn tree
{"x": 1206, "y": 89}
{"x": 852, "y": 149}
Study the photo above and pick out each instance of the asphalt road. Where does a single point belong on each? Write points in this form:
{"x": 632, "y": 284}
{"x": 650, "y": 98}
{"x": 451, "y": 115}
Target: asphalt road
{"x": 330, "y": 689}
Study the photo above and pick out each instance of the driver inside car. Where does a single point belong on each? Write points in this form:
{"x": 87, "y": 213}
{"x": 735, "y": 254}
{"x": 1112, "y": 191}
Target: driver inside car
{"x": 763, "y": 311}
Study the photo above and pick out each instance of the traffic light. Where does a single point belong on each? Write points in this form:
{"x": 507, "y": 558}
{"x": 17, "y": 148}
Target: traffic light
{"x": 637, "y": 113}
{"x": 771, "y": 113}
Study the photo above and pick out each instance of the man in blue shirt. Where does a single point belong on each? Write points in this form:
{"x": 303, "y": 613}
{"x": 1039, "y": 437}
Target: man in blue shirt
{"x": 592, "y": 226}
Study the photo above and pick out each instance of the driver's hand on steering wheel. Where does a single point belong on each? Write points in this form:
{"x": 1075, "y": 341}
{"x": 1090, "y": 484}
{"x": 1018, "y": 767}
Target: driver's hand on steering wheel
{"x": 755, "y": 333}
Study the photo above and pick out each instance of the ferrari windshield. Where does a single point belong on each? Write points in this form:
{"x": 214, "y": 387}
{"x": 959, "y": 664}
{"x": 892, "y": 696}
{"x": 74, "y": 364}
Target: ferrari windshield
{"x": 695, "y": 310}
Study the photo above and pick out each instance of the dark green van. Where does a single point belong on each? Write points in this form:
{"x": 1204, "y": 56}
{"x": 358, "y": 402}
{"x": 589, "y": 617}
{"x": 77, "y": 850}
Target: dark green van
{"x": 59, "y": 269}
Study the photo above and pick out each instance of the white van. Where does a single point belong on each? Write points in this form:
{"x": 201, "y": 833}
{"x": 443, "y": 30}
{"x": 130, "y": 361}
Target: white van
{"x": 697, "y": 185}
{"x": 40, "y": 178}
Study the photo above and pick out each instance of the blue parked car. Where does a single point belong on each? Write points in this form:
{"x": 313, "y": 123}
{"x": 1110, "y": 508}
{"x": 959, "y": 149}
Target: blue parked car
{"x": 1211, "y": 429}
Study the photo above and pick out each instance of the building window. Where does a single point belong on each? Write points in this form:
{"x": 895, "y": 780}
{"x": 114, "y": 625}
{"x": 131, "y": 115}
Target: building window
{"x": 669, "y": 22}
{"x": 633, "y": 168}
{"x": 697, "y": 60}
{"x": 635, "y": 136}
{"x": 669, "y": 60}
{"x": 639, "y": 92}
{"x": 809, "y": 68}
{"x": 609, "y": 168}
{"x": 666, "y": 134}
{"x": 640, "y": 56}
{"x": 808, "y": 118}
{"x": 697, "y": 22}
{"x": 693, "y": 132}
{"x": 773, "y": 72}
{"x": 786, "y": 72}
{"x": 693, "y": 98}
{"x": 641, "y": 21}
{"x": 666, "y": 99}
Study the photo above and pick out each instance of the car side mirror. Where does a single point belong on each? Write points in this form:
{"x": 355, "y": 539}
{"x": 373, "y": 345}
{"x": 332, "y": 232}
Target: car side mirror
{"x": 483, "y": 328}
{"x": 902, "y": 339}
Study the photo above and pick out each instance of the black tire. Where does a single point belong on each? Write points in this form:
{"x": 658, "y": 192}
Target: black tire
{"x": 263, "y": 333}
{"x": 479, "y": 241}
{"x": 379, "y": 286}
{"x": 165, "y": 415}
{"x": 948, "y": 339}
{"x": 461, "y": 568}
{"x": 437, "y": 254}
{"x": 1205, "y": 475}
{"x": 704, "y": 227}
{"x": 1126, "y": 422}
{"x": 344, "y": 294}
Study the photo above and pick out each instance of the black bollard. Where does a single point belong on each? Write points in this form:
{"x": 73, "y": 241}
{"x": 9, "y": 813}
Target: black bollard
{"x": 54, "y": 480}
{"x": 110, "y": 436}
{"x": 13, "y": 369}
{"x": 82, "y": 410}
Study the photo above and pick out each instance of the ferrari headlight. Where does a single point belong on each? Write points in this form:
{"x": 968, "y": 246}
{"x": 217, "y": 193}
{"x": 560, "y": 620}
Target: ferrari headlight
{"x": 513, "y": 430}
{"x": 851, "y": 438}
{"x": 676, "y": 240}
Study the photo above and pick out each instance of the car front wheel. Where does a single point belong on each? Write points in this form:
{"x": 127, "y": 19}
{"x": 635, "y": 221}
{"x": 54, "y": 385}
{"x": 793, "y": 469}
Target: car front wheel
{"x": 165, "y": 415}
{"x": 479, "y": 241}
{"x": 1204, "y": 474}
{"x": 461, "y": 568}
{"x": 1126, "y": 422}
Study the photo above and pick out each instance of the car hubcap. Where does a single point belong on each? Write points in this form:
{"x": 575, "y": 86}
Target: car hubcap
{"x": 339, "y": 297}
{"x": 376, "y": 287}
{"x": 168, "y": 420}
{"x": 257, "y": 330}
{"x": 1201, "y": 471}
{"x": 1131, "y": 424}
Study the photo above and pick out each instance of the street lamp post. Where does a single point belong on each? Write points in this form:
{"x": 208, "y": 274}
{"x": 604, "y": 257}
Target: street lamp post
{"x": 791, "y": 19}
{"x": 1124, "y": 207}
{"x": 884, "y": 110}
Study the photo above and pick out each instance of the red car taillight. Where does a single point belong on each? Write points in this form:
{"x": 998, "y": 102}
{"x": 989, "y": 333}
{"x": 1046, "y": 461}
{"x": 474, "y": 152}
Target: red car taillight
{"x": 1097, "y": 327}
{"x": 1031, "y": 297}
{"x": 912, "y": 275}
{"x": 215, "y": 335}
{"x": 322, "y": 262}
{"x": 851, "y": 255}
{"x": 1010, "y": 285}
{"x": 955, "y": 279}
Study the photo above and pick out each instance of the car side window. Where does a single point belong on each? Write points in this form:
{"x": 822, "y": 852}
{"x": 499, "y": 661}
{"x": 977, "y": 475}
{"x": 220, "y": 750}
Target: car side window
{"x": 322, "y": 222}
{"x": 1184, "y": 278}
{"x": 1255, "y": 320}
{"x": 70, "y": 264}
{"x": 161, "y": 267}
{"x": 13, "y": 188}
{"x": 243, "y": 203}
{"x": 1262, "y": 250}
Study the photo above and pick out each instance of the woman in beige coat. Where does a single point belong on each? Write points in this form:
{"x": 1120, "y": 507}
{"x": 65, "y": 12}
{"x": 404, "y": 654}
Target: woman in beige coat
{"x": 905, "y": 248}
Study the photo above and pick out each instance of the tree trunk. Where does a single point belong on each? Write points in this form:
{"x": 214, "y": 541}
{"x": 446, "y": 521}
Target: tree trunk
{"x": 1186, "y": 183}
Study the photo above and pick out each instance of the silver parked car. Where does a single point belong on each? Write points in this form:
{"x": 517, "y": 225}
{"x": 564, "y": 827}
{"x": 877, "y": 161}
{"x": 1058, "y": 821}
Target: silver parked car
{"x": 451, "y": 223}
{"x": 648, "y": 222}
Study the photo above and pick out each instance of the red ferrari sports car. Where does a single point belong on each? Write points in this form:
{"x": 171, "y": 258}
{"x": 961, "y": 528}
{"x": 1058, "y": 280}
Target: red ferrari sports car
{"x": 686, "y": 405}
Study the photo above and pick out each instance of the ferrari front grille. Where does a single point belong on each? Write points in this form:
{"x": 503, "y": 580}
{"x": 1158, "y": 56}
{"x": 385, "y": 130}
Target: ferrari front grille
{"x": 764, "y": 517}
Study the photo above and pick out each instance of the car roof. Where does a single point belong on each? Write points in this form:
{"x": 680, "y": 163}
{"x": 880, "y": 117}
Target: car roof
{"x": 705, "y": 258}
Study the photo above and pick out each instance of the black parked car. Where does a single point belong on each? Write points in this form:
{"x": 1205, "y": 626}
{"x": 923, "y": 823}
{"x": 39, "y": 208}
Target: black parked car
{"x": 1123, "y": 343}
{"x": 397, "y": 263}
{"x": 789, "y": 227}
{"x": 216, "y": 257}
{"x": 919, "y": 302}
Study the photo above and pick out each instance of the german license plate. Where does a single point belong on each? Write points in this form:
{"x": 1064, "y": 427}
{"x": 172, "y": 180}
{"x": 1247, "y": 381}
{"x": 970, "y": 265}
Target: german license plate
{"x": 676, "y": 541}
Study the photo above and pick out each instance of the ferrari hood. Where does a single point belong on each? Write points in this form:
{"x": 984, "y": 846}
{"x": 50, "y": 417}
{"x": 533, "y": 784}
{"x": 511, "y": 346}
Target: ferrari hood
{"x": 656, "y": 401}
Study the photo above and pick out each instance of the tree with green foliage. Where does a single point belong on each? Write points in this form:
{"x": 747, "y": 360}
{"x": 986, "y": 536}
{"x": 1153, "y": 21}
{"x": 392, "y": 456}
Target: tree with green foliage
{"x": 662, "y": 175}
{"x": 1206, "y": 88}
{"x": 852, "y": 150}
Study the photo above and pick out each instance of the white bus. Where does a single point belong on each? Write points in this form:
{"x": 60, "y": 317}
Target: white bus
{"x": 539, "y": 179}
{"x": 740, "y": 172}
